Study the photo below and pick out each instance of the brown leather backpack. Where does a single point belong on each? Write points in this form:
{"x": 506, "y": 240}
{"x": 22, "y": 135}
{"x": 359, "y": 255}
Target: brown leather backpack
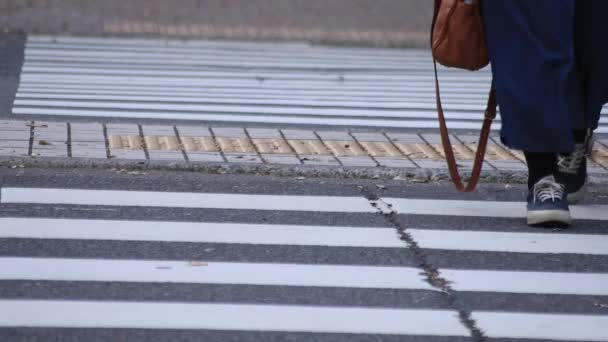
{"x": 458, "y": 40}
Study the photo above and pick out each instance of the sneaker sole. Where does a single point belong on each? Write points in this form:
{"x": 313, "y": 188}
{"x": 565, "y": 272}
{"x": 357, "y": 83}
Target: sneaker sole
{"x": 549, "y": 217}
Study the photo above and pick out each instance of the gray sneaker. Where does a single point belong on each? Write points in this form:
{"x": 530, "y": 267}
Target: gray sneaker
{"x": 572, "y": 169}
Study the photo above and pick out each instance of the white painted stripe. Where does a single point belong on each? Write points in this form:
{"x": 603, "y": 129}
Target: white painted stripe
{"x": 418, "y": 110}
{"x": 186, "y": 200}
{"x": 223, "y": 56}
{"x": 511, "y": 242}
{"x": 179, "y": 89}
{"x": 251, "y": 81}
{"x": 559, "y": 327}
{"x": 88, "y": 314}
{"x": 145, "y": 100}
{"x": 204, "y": 96}
{"x": 260, "y": 87}
{"x": 594, "y": 284}
{"x": 220, "y": 53}
{"x": 158, "y": 271}
{"x": 377, "y": 96}
{"x": 199, "y": 232}
{"x": 237, "y": 63}
{"x": 484, "y": 208}
{"x": 97, "y": 69}
{"x": 255, "y": 119}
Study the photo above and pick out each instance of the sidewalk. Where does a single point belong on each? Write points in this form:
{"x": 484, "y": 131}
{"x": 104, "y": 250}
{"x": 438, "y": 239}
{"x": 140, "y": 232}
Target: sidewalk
{"x": 293, "y": 150}
{"x": 360, "y": 22}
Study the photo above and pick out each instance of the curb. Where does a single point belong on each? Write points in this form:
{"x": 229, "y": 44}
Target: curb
{"x": 309, "y": 171}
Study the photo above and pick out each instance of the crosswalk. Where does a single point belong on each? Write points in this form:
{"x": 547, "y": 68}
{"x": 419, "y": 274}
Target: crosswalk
{"x": 86, "y": 275}
{"x": 240, "y": 82}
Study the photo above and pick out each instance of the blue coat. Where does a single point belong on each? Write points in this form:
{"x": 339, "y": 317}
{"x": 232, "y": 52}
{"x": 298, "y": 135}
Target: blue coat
{"x": 550, "y": 64}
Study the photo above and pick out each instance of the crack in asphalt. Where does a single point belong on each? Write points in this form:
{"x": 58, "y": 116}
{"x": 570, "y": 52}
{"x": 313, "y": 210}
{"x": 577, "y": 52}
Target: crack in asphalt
{"x": 433, "y": 276}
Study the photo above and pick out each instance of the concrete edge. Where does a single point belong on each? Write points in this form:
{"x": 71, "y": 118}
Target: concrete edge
{"x": 309, "y": 171}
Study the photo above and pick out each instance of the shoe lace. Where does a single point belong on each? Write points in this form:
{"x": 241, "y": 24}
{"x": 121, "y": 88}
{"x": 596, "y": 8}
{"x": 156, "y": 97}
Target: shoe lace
{"x": 548, "y": 189}
{"x": 571, "y": 162}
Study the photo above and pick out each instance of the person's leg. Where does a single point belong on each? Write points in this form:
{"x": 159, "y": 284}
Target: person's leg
{"x": 591, "y": 54}
{"x": 540, "y": 165}
{"x": 531, "y": 46}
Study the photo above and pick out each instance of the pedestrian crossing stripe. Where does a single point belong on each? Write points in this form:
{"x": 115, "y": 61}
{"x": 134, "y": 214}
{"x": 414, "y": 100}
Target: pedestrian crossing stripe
{"x": 199, "y": 232}
{"x": 186, "y": 200}
{"x": 88, "y": 314}
{"x": 487, "y": 241}
{"x": 555, "y": 327}
{"x": 280, "y": 274}
{"x": 51, "y": 313}
{"x": 562, "y": 283}
{"x": 485, "y": 208}
{"x": 159, "y": 271}
{"x": 506, "y": 209}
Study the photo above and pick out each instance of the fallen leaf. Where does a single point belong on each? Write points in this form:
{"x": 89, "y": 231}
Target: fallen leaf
{"x": 43, "y": 142}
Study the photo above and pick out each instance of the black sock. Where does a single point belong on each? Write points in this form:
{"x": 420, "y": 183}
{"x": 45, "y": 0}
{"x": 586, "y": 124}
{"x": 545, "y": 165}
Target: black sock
{"x": 540, "y": 165}
{"x": 579, "y": 135}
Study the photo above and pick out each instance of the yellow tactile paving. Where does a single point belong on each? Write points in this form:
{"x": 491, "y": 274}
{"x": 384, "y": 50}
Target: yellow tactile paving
{"x": 308, "y": 147}
{"x": 162, "y": 143}
{"x": 235, "y": 145}
{"x": 345, "y": 148}
{"x": 600, "y": 155}
{"x": 411, "y": 151}
{"x": 270, "y": 146}
{"x": 495, "y": 151}
{"x": 380, "y": 149}
{"x": 199, "y": 144}
{"x": 132, "y": 142}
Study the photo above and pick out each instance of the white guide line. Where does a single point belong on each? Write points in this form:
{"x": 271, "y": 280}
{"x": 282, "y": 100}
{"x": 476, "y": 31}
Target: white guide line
{"x": 118, "y": 69}
{"x": 271, "y": 274}
{"x": 210, "y": 62}
{"x": 186, "y": 200}
{"x": 26, "y": 89}
{"x": 221, "y": 56}
{"x": 411, "y": 91}
{"x": 199, "y": 232}
{"x": 484, "y": 208}
{"x": 412, "y": 110}
{"x": 240, "y": 83}
{"x": 243, "y": 317}
{"x": 251, "y": 81}
{"x": 487, "y": 241}
{"x": 323, "y": 121}
{"x": 165, "y": 100}
{"x": 311, "y": 107}
{"x": 558, "y": 327}
{"x": 562, "y": 283}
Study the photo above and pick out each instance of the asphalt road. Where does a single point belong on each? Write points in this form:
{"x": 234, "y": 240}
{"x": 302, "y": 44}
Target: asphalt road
{"x": 104, "y": 255}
